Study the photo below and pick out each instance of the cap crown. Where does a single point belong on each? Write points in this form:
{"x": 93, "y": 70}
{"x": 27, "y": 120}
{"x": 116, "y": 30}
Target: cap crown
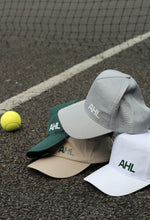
{"x": 130, "y": 155}
{"x": 115, "y": 102}
{"x": 94, "y": 150}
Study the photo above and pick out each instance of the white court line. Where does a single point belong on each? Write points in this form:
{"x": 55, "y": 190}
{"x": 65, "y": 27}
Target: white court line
{"x": 67, "y": 74}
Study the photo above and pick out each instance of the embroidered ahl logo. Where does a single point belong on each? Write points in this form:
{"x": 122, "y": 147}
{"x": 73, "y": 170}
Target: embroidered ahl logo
{"x": 94, "y": 110}
{"x": 125, "y": 164}
{"x": 54, "y": 126}
{"x": 65, "y": 149}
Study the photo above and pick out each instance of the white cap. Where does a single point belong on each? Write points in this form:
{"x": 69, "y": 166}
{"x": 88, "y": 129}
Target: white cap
{"x": 129, "y": 167}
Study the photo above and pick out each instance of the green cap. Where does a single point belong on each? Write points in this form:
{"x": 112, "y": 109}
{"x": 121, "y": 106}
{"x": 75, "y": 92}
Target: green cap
{"x": 55, "y": 133}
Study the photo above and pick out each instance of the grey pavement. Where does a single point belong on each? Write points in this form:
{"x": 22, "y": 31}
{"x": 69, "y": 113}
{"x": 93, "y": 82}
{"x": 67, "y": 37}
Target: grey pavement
{"x": 25, "y": 61}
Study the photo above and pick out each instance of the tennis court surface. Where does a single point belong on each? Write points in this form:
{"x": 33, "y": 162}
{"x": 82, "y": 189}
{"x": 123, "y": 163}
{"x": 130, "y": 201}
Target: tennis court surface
{"x": 64, "y": 44}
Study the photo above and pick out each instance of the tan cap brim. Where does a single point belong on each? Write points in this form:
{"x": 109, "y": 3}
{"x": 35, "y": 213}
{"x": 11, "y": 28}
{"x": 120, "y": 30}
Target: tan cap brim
{"x": 58, "y": 167}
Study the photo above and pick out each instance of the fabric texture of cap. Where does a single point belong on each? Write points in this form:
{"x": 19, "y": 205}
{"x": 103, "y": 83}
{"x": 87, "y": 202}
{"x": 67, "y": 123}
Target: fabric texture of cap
{"x": 129, "y": 167}
{"x": 55, "y": 133}
{"x": 113, "y": 103}
{"x": 74, "y": 156}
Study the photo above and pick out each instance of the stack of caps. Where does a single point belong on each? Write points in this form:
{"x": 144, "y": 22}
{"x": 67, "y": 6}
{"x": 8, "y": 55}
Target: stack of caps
{"x": 114, "y": 103}
{"x": 62, "y": 156}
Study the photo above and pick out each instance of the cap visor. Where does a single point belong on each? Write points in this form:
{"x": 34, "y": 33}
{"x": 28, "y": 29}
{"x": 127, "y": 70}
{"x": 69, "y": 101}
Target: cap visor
{"x": 78, "y": 124}
{"x": 113, "y": 183}
{"x": 46, "y": 144}
{"x": 58, "y": 167}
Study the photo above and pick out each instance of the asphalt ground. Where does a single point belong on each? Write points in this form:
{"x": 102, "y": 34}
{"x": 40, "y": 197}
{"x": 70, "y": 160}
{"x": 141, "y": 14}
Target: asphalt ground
{"x": 28, "y": 194}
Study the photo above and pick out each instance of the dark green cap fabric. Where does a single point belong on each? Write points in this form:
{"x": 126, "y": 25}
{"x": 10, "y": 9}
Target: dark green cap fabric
{"x": 55, "y": 133}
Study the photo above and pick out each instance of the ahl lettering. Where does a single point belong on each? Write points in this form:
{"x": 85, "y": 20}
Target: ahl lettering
{"x": 64, "y": 150}
{"x": 125, "y": 164}
{"x": 93, "y": 110}
{"x": 54, "y": 126}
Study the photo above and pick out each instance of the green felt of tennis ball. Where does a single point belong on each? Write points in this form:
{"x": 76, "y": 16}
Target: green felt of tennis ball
{"x": 10, "y": 121}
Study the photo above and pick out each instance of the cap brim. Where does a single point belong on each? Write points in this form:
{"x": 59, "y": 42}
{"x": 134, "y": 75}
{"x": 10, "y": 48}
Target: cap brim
{"x": 78, "y": 124}
{"x": 114, "y": 183}
{"x": 58, "y": 167}
{"x": 46, "y": 144}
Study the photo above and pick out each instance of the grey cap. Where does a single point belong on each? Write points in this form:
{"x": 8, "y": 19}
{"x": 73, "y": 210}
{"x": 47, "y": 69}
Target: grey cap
{"x": 114, "y": 103}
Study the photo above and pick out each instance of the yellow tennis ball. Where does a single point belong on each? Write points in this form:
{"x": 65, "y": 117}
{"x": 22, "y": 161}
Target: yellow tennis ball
{"x": 10, "y": 121}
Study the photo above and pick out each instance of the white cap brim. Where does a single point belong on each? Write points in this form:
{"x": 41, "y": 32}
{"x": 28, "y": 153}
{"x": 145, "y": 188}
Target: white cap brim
{"x": 78, "y": 124}
{"x": 58, "y": 167}
{"x": 114, "y": 183}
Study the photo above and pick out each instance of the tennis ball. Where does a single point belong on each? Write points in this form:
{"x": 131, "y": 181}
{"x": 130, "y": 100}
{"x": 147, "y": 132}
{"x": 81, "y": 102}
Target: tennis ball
{"x": 10, "y": 121}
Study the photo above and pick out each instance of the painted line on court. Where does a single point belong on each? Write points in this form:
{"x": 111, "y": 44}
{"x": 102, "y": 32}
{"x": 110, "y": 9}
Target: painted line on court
{"x": 67, "y": 74}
